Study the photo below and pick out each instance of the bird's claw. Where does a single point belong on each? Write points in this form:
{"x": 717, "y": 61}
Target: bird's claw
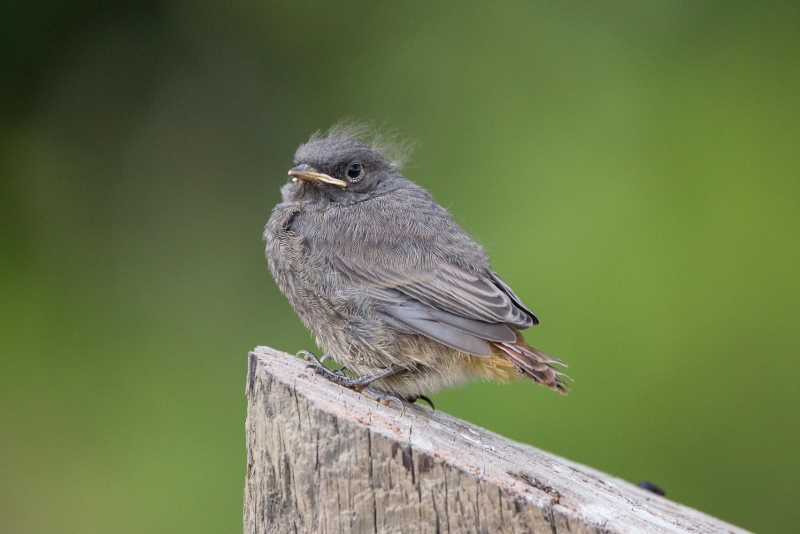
{"x": 422, "y": 398}
{"x": 308, "y": 356}
{"x": 311, "y": 357}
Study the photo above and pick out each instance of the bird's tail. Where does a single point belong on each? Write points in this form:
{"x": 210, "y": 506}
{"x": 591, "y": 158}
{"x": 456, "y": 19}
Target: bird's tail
{"x": 535, "y": 364}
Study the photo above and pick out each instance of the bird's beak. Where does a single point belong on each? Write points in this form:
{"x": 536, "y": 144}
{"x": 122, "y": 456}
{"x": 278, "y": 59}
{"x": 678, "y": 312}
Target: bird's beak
{"x": 309, "y": 174}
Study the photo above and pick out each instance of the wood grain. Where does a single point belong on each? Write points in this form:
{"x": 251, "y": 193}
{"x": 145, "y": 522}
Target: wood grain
{"x": 322, "y": 458}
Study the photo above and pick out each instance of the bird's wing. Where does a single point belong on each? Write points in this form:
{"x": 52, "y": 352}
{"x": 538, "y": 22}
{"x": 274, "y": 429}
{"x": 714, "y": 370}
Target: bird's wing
{"x": 421, "y": 285}
{"x": 457, "y": 308}
{"x": 413, "y": 317}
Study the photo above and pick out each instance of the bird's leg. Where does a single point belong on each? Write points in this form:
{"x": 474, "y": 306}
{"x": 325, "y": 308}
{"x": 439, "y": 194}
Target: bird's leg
{"x": 358, "y": 383}
{"x": 340, "y": 371}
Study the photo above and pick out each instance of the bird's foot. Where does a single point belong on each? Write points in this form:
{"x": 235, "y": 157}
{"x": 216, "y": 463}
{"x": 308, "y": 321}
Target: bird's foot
{"x": 308, "y": 356}
{"x": 338, "y": 376}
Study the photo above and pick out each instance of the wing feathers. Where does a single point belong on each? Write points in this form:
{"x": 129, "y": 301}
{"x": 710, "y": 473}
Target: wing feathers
{"x": 412, "y": 312}
{"x": 446, "y": 287}
{"x": 488, "y": 331}
{"x": 425, "y": 324}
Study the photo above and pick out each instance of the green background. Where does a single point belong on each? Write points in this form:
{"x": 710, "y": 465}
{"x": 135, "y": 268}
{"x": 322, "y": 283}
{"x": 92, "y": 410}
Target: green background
{"x": 633, "y": 169}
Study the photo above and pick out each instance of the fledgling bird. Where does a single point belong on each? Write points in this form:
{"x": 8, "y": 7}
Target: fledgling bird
{"x": 391, "y": 286}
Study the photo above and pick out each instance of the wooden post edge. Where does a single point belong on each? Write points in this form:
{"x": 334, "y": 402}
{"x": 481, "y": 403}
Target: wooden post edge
{"x": 322, "y": 458}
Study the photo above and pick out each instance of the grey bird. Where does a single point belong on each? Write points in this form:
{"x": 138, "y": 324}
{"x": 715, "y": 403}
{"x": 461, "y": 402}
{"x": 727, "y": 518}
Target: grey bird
{"x": 391, "y": 286}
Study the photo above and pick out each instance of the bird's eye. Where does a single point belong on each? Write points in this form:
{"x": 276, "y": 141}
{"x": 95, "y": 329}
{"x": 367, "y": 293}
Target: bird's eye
{"x": 354, "y": 172}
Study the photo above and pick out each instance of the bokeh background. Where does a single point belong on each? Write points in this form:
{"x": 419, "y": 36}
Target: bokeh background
{"x": 633, "y": 169}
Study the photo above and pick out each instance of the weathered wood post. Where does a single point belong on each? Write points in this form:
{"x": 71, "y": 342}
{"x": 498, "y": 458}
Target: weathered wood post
{"x": 321, "y": 458}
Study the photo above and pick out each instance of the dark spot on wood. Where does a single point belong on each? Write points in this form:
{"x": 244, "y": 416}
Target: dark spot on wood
{"x": 532, "y": 481}
{"x": 408, "y": 460}
{"x": 649, "y": 486}
{"x": 424, "y": 463}
{"x": 518, "y": 505}
{"x": 286, "y": 475}
{"x": 251, "y": 373}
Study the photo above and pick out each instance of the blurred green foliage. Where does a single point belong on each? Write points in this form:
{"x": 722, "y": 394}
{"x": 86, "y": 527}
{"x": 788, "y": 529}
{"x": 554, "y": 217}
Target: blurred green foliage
{"x": 633, "y": 169}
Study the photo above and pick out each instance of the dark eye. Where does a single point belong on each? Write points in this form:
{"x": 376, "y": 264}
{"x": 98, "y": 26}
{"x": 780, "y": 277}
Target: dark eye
{"x": 354, "y": 172}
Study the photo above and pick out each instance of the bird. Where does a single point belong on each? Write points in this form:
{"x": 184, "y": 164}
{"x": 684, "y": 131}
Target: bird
{"x": 393, "y": 289}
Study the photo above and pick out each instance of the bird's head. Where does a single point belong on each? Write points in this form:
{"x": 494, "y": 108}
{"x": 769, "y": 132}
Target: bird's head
{"x": 340, "y": 169}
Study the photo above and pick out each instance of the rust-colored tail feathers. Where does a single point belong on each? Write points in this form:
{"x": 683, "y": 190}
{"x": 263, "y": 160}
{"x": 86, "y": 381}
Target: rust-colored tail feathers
{"x": 535, "y": 364}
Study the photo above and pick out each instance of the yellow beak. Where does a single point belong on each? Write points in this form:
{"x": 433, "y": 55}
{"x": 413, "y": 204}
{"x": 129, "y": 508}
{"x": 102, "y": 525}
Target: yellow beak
{"x": 309, "y": 174}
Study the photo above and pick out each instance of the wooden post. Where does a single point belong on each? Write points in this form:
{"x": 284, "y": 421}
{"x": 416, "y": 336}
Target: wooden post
{"x": 322, "y": 458}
